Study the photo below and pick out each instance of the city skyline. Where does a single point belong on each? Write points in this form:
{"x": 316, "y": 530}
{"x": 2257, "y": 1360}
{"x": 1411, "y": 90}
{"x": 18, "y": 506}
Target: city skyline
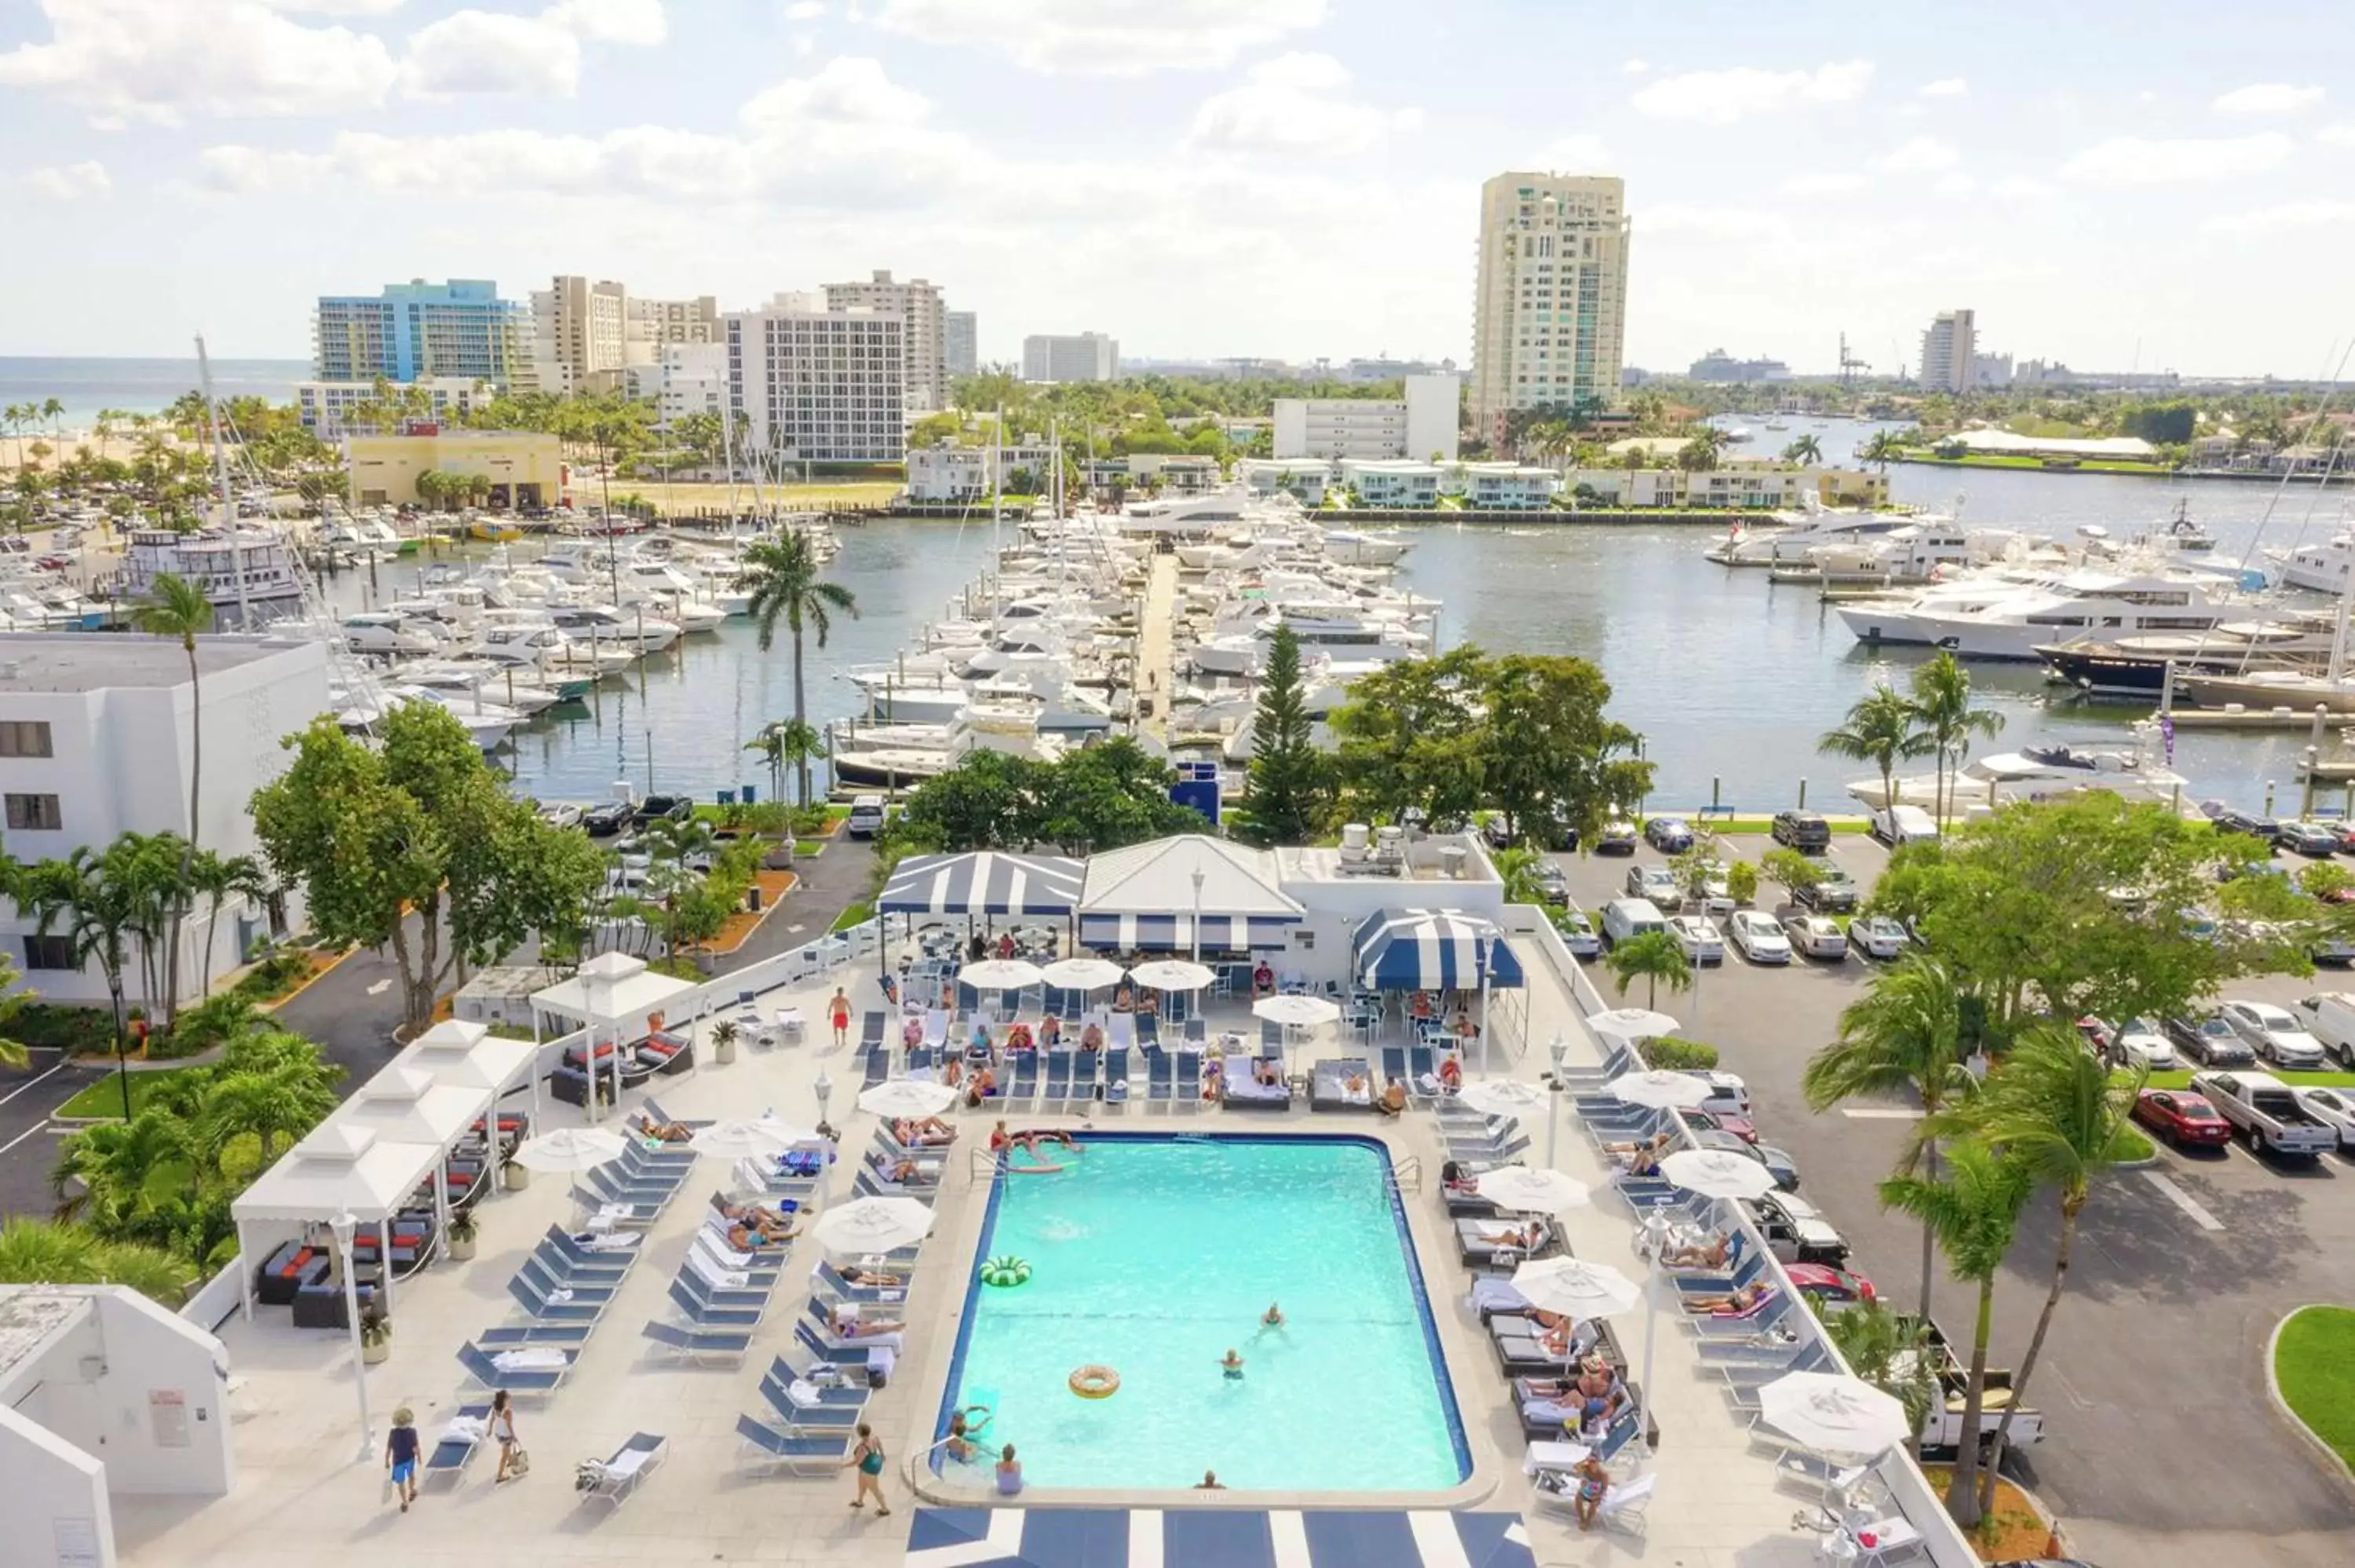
{"x": 1287, "y": 178}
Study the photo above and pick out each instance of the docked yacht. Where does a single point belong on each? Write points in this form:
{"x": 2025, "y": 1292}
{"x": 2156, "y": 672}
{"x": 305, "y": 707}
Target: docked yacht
{"x": 2081, "y": 603}
{"x": 251, "y": 566}
{"x": 540, "y": 646}
{"x": 2323, "y": 568}
{"x": 1784, "y": 539}
{"x": 1355, "y": 548}
{"x": 2137, "y": 666}
{"x": 473, "y": 683}
{"x": 2040, "y": 773}
{"x": 391, "y": 633}
{"x": 603, "y": 625}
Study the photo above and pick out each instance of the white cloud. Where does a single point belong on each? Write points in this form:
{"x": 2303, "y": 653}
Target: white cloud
{"x": 2146, "y": 96}
{"x": 159, "y": 60}
{"x": 2019, "y": 187}
{"x": 1722, "y": 97}
{"x": 71, "y": 182}
{"x": 804, "y": 44}
{"x": 1634, "y": 68}
{"x": 1105, "y": 37}
{"x": 1945, "y": 87}
{"x": 804, "y": 11}
{"x": 2289, "y": 216}
{"x": 1581, "y": 153}
{"x": 2140, "y": 161}
{"x": 483, "y": 52}
{"x": 1922, "y": 156}
{"x": 640, "y": 23}
{"x": 1955, "y": 185}
{"x": 2337, "y": 136}
{"x": 336, "y": 7}
{"x": 1823, "y": 185}
{"x": 2268, "y": 98}
{"x": 1296, "y": 104}
{"x": 847, "y": 90}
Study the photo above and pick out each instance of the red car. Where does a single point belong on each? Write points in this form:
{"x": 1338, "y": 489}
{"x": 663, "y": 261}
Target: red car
{"x": 1832, "y": 1287}
{"x": 1740, "y": 1126}
{"x": 2182, "y": 1117}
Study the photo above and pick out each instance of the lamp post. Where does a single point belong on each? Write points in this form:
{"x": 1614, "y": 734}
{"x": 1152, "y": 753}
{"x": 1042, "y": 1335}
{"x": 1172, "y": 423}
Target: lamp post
{"x": 1197, "y": 914}
{"x": 344, "y": 1228}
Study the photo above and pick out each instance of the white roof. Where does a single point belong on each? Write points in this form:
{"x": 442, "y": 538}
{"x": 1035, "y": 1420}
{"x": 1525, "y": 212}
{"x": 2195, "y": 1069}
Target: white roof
{"x": 406, "y": 1104}
{"x": 467, "y": 1055}
{"x": 610, "y": 987}
{"x": 337, "y": 1168}
{"x": 1992, "y": 440}
{"x": 1157, "y": 878}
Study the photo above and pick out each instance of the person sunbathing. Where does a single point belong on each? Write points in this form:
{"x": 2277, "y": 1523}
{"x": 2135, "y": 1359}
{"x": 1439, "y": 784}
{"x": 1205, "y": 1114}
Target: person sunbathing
{"x": 850, "y": 1325}
{"x": 1092, "y": 1037}
{"x": 1354, "y": 1086}
{"x": 1420, "y": 1006}
{"x": 1050, "y": 1032}
{"x": 1715, "y": 1255}
{"x": 1124, "y": 1000}
{"x": 1213, "y": 1078}
{"x": 953, "y": 1072}
{"x": 977, "y": 1045}
{"x": 901, "y": 1170}
{"x": 1451, "y": 1073}
{"x": 1657, "y": 1143}
{"x": 924, "y": 1132}
{"x": 661, "y": 1131}
{"x": 751, "y": 1238}
{"x": 1265, "y": 1074}
{"x": 852, "y": 1274}
{"x": 768, "y": 1222}
{"x": 1018, "y": 1038}
{"x": 912, "y": 1033}
{"x": 1733, "y": 1306}
{"x": 979, "y": 1087}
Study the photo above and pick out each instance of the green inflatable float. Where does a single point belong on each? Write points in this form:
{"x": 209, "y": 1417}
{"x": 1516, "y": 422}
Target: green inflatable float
{"x": 1005, "y": 1271}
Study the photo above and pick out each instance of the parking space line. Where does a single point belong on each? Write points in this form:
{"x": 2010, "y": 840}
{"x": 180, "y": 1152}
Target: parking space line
{"x": 38, "y": 1126}
{"x": 44, "y": 1078}
{"x": 2183, "y": 1201}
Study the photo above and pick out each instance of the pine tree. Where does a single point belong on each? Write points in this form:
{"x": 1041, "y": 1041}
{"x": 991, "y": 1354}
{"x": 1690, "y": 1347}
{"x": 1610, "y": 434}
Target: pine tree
{"x": 1287, "y": 772}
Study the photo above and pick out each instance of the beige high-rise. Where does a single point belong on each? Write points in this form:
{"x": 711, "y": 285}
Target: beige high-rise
{"x": 917, "y": 304}
{"x": 1549, "y": 312}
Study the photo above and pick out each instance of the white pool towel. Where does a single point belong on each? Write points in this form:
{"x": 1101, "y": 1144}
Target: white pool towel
{"x": 558, "y": 1297}
{"x": 528, "y": 1360}
{"x": 463, "y": 1429}
{"x": 803, "y": 1393}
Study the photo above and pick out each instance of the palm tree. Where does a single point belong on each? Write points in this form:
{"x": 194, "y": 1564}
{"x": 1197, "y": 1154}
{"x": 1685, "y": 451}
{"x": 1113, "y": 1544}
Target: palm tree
{"x": 1651, "y": 956}
{"x": 128, "y": 1171}
{"x": 1517, "y": 868}
{"x": 177, "y": 609}
{"x": 1889, "y": 1350}
{"x": 217, "y": 877}
{"x": 1975, "y": 1214}
{"x": 1942, "y": 706}
{"x": 1878, "y": 729}
{"x": 275, "y": 1106}
{"x": 771, "y": 748}
{"x": 783, "y": 576}
{"x": 1884, "y": 446}
{"x": 99, "y": 910}
{"x": 36, "y": 1252}
{"x": 1806, "y": 449}
{"x": 1906, "y": 1033}
{"x": 55, "y": 413}
{"x": 2057, "y": 1113}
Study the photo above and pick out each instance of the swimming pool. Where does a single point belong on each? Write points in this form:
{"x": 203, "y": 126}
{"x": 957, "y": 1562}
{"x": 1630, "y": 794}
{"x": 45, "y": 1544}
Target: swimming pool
{"x": 1154, "y": 1255}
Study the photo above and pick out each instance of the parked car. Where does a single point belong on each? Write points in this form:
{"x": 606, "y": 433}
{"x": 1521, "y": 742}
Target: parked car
{"x": 1721, "y": 1121}
{"x": 1779, "y": 1165}
{"x": 2310, "y": 839}
{"x": 2329, "y": 1017}
{"x": 1878, "y": 937}
{"x": 1715, "y": 889}
{"x": 1497, "y": 834}
{"x": 1759, "y": 937}
{"x": 2182, "y": 1119}
{"x": 1829, "y": 1286}
{"x": 2140, "y": 1043}
{"x": 665, "y": 807}
{"x": 1670, "y": 835}
{"x": 1698, "y": 937}
{"x": 1901, "y": 825}
{"x": 1617, "y": 837}
{"x": 608, "y": 816}
{"x": 2333, "y": 1108}
{"x": 1656, "y": 883}
{"x": 2264, "y": 1112}
{"x": 2274, "y": 1033}
{"x": 1815, "y": 936}
{"x": 1802, "y": 831}
{"x": 2210, "y": 1041}
{"x": 1625, "y": 917}
{"x": 1554, "y": 888}
{"x": 1577, "y": 932}
{"x": 866, "y": 817}
{"x": 2229, "y": 821}
{"x": 1727, "y": 1094}
{"x": 1796, "y": 1231}
{"x": 1833, "y": 892}
{"x": 2332, "y": 952}
{"x": 561, "y": 815}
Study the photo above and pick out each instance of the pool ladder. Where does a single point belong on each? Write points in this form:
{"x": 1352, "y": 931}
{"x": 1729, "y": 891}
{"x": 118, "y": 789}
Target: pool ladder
{"x": 1406, "y": 1176}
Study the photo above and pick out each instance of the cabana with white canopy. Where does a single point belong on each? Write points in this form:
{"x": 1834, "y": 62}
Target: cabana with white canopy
{"x": 469, "y": 1055}
{"x": 1188, "y": 893}
{"x": 614, "y": 997}
{"x": 335, "y": 1169}
{"x": 406, "y": 1104}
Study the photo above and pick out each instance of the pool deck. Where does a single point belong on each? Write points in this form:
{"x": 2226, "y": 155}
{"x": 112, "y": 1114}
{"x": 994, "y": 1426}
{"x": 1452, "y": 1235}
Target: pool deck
{"x": 304, "y": 1496}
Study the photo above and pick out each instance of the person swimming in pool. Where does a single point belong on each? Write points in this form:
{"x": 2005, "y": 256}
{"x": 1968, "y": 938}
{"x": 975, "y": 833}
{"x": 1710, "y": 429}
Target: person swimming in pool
{"x": 1233, "y": 1365}
{"x": 1272, "y": 1318}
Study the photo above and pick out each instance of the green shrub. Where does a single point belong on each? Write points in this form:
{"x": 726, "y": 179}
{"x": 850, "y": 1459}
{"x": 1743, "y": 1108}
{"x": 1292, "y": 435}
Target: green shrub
{"x": 71, "y": 1029}
{"x": 1671, "y": 1054}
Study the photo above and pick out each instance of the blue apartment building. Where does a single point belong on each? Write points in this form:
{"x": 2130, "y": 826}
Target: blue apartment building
{"x": 417, "y": 331}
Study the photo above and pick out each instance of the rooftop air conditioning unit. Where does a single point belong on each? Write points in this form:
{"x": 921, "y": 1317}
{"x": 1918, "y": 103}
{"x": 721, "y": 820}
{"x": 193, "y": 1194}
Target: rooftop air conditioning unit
{"x": 1451, "y": 861}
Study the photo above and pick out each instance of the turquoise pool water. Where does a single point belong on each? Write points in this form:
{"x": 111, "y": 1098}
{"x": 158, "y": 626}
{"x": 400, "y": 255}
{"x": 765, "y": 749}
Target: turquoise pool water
{"x": 1154, "y": 1255}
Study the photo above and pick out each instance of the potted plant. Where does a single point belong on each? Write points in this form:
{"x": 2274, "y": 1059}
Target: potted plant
{"x": 462, "y": 1235}
{"x": 723, "y": 1040}
{"x": 376, "y": 1336}
{"x": 513, "y": 1177}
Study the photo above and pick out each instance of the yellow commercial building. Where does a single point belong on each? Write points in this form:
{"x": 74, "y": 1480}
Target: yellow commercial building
{"x": 524, "y": 469}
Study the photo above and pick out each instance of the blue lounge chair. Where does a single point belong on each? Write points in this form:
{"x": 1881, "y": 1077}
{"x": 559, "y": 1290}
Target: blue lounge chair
{"x": 815, "y": 1413}
{"x": 1197, "y": 1031}
{"x": 922, "y": 1059}
{"x": 1160, "y": 1078}
{"x": 1186, "y": 1086}
{"x": 1115, "y": 1076}
{"x": 1149, "y": 1029}
{"x": 548, "y": 1285}
{"x": 524, "y": 1380}
{"x": 728, "y": 1297}
{"x": 816, "y": 1453}
{"x": 1024, "y": 1088}
{"x": 567, "y": 1257}
{"x": 513, "y": 1336}
{"x": 1394, "y": 1063}
{"x": 538, "y": 1304}
{"x": 655, "y": 1109}
{"x": 624, "y": 1214}
{"x": 617, "y": 1479}
{"x": 840, "y": 1355}
{"x": 827, "y": 1280}
{"x": 698, "y": 1344}
{"x": 878, "y": 1067}
{"x": 1057, "y": 1090}
{"x": 451, "y": 1456}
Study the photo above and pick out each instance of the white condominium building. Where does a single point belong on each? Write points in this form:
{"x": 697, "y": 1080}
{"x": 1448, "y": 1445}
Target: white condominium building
{"x": 683, "y": 378}
{"x": 917, "y": 304}
{"x": 965, "y": 474}
{"x": 1548, "y": 311}
{"x": 1082, "y": 356}
{"x": 651, "y": 325}
{"x": 1950, "y": 352}
{"x": 1421, "y": 425}
{"x": 326, "y": 408}
{"x": 818, "y": 385}
{"x": 963, "y": 352}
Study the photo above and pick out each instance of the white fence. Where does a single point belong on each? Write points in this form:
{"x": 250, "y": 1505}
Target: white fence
{"x": 215, "y": 1302}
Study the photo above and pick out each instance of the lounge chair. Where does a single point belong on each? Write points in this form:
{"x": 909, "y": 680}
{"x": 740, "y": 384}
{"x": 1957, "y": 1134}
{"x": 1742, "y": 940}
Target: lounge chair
{"x": 1149, "y": 1029}
{"x": 589, "y": 1292}
{"x": 510, "y": 1336}
{"x": 1328, "y": 1086}
{"x": 869, "y": 1183}
{"x": 839, "y": 1354}
{"x": 537, "y": 1302}
{"x": 559, "y": 1244}
{"x": 1760, "y": 1314}
{"x": 820, "y": 1326}
{"x": 810, "y": 1453}
{"x": 702, "y": 1313}
{"x": 1477, "y": 1241}
{"x": 700, "y": 1344}
{"x": 711, "y": 1256}
{"x": 610, "y": 1188}
{"x": 870, "y": 1030}
{"x": 878, "y": 1067}
{"x": 1716, "y": 1281}
{"x": 1160, "y": 1077}
{"x": 614, "y": 1213}
{"x": 616, "y": 1481}
{"x": 827, "y": 1281}
{"x": 539, "y": 1369}
{"x": 452, "y": 1452}
{"x": 655, "y": 1109}
{"x": 1122, "y": 1031}
{"x": 1622, "y": 1507}
{"x": 1521, "y": 1355}
{"x": 1186, "y": 1080}
{"x": 1240, "y": 1086}
{"x": 715, "y": 1283}
{"x": 1116, "y": 1077}
{"x": 803, "y": 1406}
{"x": 1022, "y": 1070}
{"x": 1058, "y": 1089}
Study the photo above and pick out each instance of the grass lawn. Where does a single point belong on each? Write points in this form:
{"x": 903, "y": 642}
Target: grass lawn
{"x": 1997, "y": 460}
{"x": 851, "y": 917}
{"x": 689, "y": 497}
{"x": 2315, "y": 1362}
{"x": 2181, "y": 1078}
{"x": 2131, "y": 1145}
{"x": 104, "y": 1096}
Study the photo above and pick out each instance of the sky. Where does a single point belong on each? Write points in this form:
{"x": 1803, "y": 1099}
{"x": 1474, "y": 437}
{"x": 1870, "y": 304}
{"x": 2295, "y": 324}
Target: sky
{"x": 2149, "y": 185}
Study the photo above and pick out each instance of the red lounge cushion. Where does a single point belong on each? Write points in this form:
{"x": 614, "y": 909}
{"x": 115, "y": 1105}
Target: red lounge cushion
{"x": 294, "y": 1264}
{"x": 661, "y": 1048}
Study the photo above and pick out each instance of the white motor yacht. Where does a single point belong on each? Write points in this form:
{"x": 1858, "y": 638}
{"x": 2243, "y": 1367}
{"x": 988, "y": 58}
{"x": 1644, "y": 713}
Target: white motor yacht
{"x": 2083, "y": 603}
{"x": 605, "y": 625}
{"x": 2323, "y": 568}
{"x": 391, "y": 633}
{"x": 466, "y": 682}
{"x": 2041, "y": 773}
{"x": 1784, "y": 539}
{"x": 540, "y": 646}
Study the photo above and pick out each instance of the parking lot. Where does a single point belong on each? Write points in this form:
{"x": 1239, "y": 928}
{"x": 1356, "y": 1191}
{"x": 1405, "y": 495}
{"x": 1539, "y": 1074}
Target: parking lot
{"x": 2161, "y": 1441}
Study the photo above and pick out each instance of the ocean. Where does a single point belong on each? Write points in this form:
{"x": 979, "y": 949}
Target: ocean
{"x": 138, "y": 386}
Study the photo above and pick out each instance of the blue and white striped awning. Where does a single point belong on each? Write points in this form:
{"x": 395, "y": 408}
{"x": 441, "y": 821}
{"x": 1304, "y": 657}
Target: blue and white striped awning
{"x": 1175, "y": 933}
{"x": 1216, "y": 1538}
{"x": 1432, "y": 949}
{"x": 984, "y": 882}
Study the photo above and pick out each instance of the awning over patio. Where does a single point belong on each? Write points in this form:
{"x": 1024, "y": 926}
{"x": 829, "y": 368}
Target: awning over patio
{"x": 1432, "y": 949}
{"x": 610, "y": 989}
{"x": 1230, "y": 1537}
{"x": 1157, "y": 878}
{"x": 1175, "y": 933}
{"x": 984, "y": 882}
{"x": 335, "y": 1168}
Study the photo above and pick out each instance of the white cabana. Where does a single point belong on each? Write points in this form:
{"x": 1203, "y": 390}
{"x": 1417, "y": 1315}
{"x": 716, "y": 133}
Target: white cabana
{"x": 1148, "y": 896}
{"x": 336, "y": 1168}
{"x": 469, "y": 1055}
{"x": 406, "y": 1104}
{"x": 614, "y": 997}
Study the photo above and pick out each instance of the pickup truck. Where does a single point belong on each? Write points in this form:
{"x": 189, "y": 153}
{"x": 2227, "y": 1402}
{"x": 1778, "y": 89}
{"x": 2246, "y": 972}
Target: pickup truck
{"x": 2264, "y": 1110}
{"x": 1941, "y": 1429}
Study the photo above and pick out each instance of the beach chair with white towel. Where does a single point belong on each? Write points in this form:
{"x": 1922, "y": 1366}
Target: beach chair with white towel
{"x": 615, "y": 1480}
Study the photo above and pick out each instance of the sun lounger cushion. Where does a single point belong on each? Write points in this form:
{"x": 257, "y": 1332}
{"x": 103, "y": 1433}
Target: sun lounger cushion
{"x": 530, "y": 1359}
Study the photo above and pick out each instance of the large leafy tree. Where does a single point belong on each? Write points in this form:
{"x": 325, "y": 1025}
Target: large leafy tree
{"x": 986, "y": 802}
{"x": 1550, "y": 754}
{"x": 422, "y": 828}
{"x": 1101, "y": 797}
{"x": 1974, "y": 1210}
{"x": 1942, "y": 707}
{"x": 787, "y": 584}
{"x": 40, "y": 1252}
{"x": 1287, "y": 770}
{"x": 1882, "y": 729}
{"x": 1410, "y": 736}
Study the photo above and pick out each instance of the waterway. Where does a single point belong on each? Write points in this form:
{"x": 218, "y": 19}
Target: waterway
{"x": 1729, "y": 678}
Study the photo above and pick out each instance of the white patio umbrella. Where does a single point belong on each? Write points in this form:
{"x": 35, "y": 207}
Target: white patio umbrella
{"x": 1295, "y": 1012}
{"x": 907, "y": 1096}
{"x": 1503, "y": 1097}
{"x": 1632, "y": 1023}
{"x": 873, "y": 1225}
{"x": 757, "y": 1139}
{"x": 1001, "y": 974}
{"x": 1172, "y": 974}
{"x": 1526, "y": 1191}
{"x": 1082, "y": 974}
{"x": 1718, "y": 1173}
{"x": 1833, "y": 1414}
{"x": 569, "y": 1149}
{"x": 1660, "y": 1090}
{"x": 1576, "y": 1288}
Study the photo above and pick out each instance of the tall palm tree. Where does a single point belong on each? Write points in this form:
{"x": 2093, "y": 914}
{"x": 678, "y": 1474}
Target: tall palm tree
{"x": 1889, "y": 1350}
{"x": 218, "y": 876}
{"x": 127, "y": 1170}
{"x": 1904, "y": 1035}
{"x": 177, "y": 609}
{"x": 1651, "y": 956}
{"x": 2058, "y": 1114}
{"x": 783, "y": 576}
{"x": 55, "y": 413}
{"x": 1975, "y": 1214}
{"x": 1878, "y": 729}
{"x": 1806, "y": 449}
{"x": 99, "y": 911}
{"x": 1884, "y": 446}
{"x": 36, "y": 1252}
{"x": 1941, "y": 704}
{"x": 771, "y": 748}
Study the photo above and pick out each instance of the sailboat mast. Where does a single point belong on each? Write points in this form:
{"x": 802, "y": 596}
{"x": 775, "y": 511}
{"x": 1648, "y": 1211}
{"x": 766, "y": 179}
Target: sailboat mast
{"x": 220, "y": 477}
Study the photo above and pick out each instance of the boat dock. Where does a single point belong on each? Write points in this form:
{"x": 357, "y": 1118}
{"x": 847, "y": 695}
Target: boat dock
{"x": 2244, "y": 718}
{"x": 1155, "y": 646}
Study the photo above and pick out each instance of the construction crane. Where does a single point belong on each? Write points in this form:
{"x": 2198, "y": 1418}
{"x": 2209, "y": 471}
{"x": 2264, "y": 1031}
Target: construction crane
{"x": 1848, "y": 363}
